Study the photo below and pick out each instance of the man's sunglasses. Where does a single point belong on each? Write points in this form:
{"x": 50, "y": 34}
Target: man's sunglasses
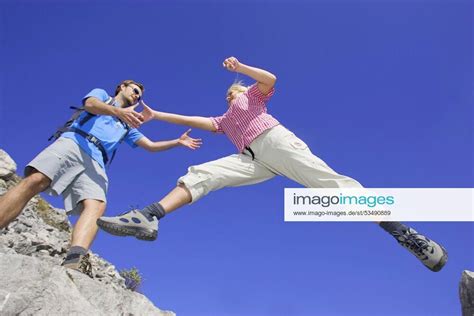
{"x": 137, "y": 92}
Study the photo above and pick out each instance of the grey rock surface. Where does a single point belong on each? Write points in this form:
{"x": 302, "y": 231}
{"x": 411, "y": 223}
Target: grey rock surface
{"x": 32, "y": 286}
{"x": 7, "y": 165}
{"x": 32, "y": 282}
{"x": 466, "y": 293}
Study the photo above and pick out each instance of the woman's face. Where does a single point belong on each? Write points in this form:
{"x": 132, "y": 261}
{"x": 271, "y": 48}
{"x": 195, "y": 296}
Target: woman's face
{"x": 232, "y": 95}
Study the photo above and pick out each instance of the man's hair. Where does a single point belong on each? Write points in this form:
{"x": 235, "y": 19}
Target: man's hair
{"x": 127, "y": 83}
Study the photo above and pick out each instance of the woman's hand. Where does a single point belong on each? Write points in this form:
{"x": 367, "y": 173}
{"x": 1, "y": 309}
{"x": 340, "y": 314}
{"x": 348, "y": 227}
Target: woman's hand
{"x": 232, "y": 64}
{"x": 147, "y": 112}
{"x": 130, "y": 117}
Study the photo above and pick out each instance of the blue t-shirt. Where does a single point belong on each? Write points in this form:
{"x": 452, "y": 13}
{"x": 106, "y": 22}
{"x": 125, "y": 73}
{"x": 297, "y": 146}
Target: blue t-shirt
{"x": 105, "y": 127}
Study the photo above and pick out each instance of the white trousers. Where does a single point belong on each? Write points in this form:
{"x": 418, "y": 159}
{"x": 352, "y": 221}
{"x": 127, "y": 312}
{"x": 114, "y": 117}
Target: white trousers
{"x": 277, "y": 152}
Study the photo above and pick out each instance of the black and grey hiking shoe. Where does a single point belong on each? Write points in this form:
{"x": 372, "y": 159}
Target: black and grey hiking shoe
{"x": 132, "y": 223}
{"x": 79, "y": 263}
{"x": 431, "y": 254}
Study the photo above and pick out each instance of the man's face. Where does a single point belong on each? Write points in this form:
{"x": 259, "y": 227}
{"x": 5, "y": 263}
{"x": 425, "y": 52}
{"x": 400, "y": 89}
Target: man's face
{"x": 132, "y": 94}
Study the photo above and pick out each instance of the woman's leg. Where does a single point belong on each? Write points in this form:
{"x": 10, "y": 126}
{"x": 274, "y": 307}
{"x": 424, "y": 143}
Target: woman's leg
{"x": 280, "y": 150}
{"x": 290, "y": 156}
{"x": 230, "y": 171}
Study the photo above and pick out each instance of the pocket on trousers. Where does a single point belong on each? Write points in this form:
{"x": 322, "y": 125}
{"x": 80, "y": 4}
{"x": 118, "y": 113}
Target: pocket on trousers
{"x": 194, "y": 176}
{"x": 296, "y": 143}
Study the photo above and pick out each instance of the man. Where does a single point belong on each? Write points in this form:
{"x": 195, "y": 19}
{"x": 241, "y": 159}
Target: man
{"x": 74, "y": 165}
{"x": 265, "y": 149}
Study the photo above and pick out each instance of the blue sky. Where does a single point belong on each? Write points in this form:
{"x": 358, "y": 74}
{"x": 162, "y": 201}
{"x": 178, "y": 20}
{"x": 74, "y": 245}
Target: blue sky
{"x": 380, "y": 90}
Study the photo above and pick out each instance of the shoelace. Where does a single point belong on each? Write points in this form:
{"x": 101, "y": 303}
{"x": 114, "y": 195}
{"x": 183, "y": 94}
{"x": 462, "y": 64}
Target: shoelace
{"x": 413, "y": 241}
{"x": 130, "y": 208}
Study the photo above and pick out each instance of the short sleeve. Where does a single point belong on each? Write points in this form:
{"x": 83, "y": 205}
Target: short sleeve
{"x": 133, "y": 136}
{"x": 217, "y": 122}
{"x": 254, "y": 92}
{"x": 100, "y": 94}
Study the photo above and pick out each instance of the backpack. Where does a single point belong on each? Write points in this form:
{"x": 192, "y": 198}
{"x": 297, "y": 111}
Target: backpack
{"x": 91, "y": 138}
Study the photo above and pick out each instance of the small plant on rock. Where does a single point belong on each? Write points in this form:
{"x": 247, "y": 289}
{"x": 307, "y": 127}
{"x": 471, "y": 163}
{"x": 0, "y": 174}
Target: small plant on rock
{"x": 133, "y": 278}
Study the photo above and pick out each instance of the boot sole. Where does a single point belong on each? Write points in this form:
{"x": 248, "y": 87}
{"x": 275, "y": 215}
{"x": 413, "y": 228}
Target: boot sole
{"x": 120, "y": 230}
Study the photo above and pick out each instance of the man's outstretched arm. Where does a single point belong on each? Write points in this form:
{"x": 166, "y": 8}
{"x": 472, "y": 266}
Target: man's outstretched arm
{"x": 184, "y": 140}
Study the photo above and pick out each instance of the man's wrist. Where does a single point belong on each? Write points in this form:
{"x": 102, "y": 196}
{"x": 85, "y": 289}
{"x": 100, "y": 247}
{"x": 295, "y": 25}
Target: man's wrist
{"x": 115, "y": 111}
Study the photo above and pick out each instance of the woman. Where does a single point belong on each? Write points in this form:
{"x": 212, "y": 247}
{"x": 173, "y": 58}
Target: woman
{"x": 265, "y": 149}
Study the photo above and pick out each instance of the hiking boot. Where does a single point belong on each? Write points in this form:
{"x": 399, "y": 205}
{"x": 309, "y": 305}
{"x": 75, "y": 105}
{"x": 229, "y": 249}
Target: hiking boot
{"x": 432, "y": 255}
{"x": 79, "y": 263}
{"x": 132, "y": 223}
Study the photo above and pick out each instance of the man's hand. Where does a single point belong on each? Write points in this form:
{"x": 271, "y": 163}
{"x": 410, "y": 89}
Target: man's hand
{"x": 130, "y": 117}
{"x": 147, "y": 112}
{"x": 189, "y": 142}
{"x": 231, "y": 64}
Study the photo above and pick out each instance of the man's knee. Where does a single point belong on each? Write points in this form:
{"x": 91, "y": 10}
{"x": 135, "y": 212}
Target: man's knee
{"x": 37, "y": 182}
{"x": 95, "y": 207}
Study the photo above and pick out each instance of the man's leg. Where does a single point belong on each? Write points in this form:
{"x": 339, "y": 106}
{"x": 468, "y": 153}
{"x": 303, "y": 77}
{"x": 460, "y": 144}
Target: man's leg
{"x": 13, "y": 202}
{"x": 86, "y": 228}
{"x": 234, "y": 170}
{"x": 83, "y": 235}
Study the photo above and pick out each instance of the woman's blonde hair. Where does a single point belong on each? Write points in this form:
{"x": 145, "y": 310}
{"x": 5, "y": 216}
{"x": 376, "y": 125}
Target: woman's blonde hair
{"x": 237, "y": 86}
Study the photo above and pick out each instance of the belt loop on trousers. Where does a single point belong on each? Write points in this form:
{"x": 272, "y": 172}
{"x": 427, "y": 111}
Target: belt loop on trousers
{"x": 250, "y": 151}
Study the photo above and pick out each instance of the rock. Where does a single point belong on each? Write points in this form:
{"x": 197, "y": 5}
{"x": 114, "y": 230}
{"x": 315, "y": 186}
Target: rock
{"x": 32, "y": 280}
{"x": 466, "y": 293}
{"x": 37, "y": 287}
{"x": 7, "y": 165}
{"x": 3, "y": 187}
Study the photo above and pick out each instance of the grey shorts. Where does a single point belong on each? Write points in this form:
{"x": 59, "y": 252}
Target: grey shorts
{"x": 73, "y": 174}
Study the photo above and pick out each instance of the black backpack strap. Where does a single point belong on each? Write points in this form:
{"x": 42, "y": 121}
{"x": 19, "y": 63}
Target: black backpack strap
{"x": 77, "y": 113}
{"x": 86, "y": 118}
{"x": 91, "y": 138}
{"x": 121, "y": 139}
{"x": 75, "y": 116}
{"x": 94, "y": 140}
{"x": 89, "y": 115}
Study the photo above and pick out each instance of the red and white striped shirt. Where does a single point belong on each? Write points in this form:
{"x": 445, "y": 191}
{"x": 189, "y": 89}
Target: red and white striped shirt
{"x": 246, "y": 117}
